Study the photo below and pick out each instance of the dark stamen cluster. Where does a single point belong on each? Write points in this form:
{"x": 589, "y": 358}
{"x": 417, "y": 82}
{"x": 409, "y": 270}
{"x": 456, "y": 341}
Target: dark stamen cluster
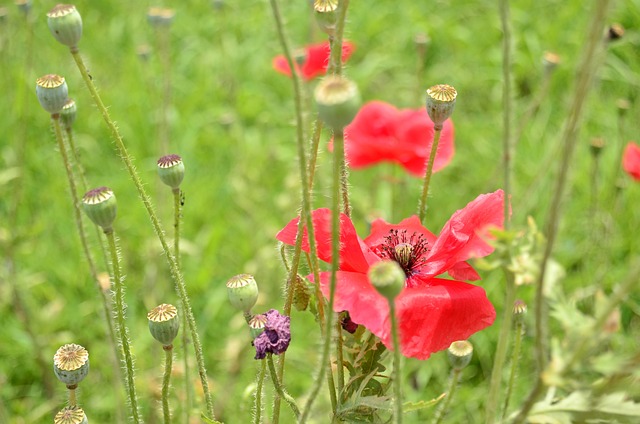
{"x": 408, "y": 251}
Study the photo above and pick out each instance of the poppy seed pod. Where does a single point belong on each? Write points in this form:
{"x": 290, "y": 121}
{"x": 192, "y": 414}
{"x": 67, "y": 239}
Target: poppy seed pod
{"x": 338, "y": 101}
{"x": 71, "y": 415}
{"x": 257, "y": 324}
{"x": 68, "y": 114}
{"x": 100, "y": 206}
{"x": 65, "y": 24}
{"x": 388, "y": 278}
{"x": 325, "y": 13}
{"x": 460, "y": 354}
{"x": 171, "y": 170}
{"x": 441, "y": 99}
{"x": 164, "y": 323}
{"x": 243, "y": 292}
{"x": 52, "y": 92}
{"x": 71, "y": 364}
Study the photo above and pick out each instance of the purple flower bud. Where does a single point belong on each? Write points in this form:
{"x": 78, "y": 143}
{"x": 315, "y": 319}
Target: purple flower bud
{"x": 276, "y": 335}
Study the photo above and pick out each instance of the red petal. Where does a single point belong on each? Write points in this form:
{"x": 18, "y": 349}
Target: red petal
{"x": 280, "y": 64}
{"x": 369, "y": 138}
{"x": 631, "y": 160}
{"x": 380, "y": 229}
{"x": 318, "y": 58}
{"x": 464, "y": 235}
{"x": 463, "y": 271}
{"x": 352, "y": 255}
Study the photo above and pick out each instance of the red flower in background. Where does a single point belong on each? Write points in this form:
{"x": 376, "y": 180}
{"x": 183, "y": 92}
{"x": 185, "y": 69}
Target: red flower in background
{"x": 380, "y": 132}
{"x": 316, "y": 60}
{"x": 432, "y": 312}
{"x": 631, "y": 160}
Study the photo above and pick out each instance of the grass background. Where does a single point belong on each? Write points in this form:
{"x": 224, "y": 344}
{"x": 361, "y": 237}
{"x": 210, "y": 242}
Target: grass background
{"x": 232, "y": 122}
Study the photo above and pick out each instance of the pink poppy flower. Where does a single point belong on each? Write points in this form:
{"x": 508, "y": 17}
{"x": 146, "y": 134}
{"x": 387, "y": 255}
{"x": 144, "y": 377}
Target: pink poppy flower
{"x": 315, "y": 60}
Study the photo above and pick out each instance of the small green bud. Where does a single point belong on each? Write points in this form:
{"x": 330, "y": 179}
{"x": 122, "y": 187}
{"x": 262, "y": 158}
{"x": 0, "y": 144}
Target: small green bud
{"x": 24, "y": 6}
{"x": 71, "y": 364}
{"x": 100, "y": 206}
{"x": 71, "y": 415}
{"x": 256, "y": 325}
{"x": 52, "y": 92}
{"x": 441, "y": 99}
{"x": 68, "y": 114}
{"x": 65, "y": 24}
{"x": 388, "y": 278}
{"x": 338, "y": 101}
{"x": 325, "y": 13}
{"x": 519, "y": 311}
{"x": 623, "y": 106}
{"x": 243, "y": 292}
{"x": 171, "y": 170}
{"x": 164, "y": 323}
{"x": 460, "y": 354}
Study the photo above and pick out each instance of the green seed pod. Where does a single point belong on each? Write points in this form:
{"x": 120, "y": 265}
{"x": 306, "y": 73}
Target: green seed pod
{"x": 441, "y": 99}
{"x": 52, "y": 92}
{"x": 164, "y": 323}
{"x": 338, "y": 101}
{"x": 243, "y": 292}
{"x": 519, "y": 311}
{"x": 24, "y": 6}
{"x": 100, "y": 206}
{"x": 256, "y": 325}
{"x": 388, "y": 278}
{"x": 71, "y": 415}
{"x": 171, "y": 170}
{"x": 65, "y": 24}
{"x": 68, "y": 114}
{"x": 460, "y": 354}
{"x": 71, "y": 364}
{"x": 325, "y": 13}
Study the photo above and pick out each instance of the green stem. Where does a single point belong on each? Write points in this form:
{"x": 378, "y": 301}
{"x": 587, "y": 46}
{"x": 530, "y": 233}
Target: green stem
{"x": 335, "y": 58}
{"x": 281, "y": 391}
{"x": 515, "y": 360}
{"x": 72, "y": 397}
{"x": 313, "y": 153}
{"x": 118, "y": 281}
{"x": 168, "y": 364}
{"x": 339, "y": 360}
{"x": 427, "y": 176}
{"x": 453, "y": 385}
{"x": 397, "y": 372}
{"x": 155, "y": 222}
{"x": 257, "y": 406}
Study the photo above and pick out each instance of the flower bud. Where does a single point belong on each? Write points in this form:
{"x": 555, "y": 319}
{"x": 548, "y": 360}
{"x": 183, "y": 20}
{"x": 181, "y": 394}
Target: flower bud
{"x": 52, "y": 92}
{"x": 243, "y": 292}
{"x": 71, "y": 415}
{"x": 338, "y": 101}
{"x": 71, "y": 364}
{"x": 596, "y": 146}
{"x": 460, "y": 354}
{"x": 623, "y": 106}
{"x": 171, "y": 170}
{"x": 100, "y": 206}
{"x": 550, "y": 61}
{"x": 615, "y": 32}
{"x": 301, "y": 295}
{"x": 325, "y": 13}
{"x": 68, "y": 114}
{"x": 388, "y": 278}
{"x": 519, "y": 311}
{"x": 441, "y": 99}
{"x": 164, "y": 323}
{"x": 257, "y": 324}
{"x": 24, "y": 6}
{"x": 65, "y": 24}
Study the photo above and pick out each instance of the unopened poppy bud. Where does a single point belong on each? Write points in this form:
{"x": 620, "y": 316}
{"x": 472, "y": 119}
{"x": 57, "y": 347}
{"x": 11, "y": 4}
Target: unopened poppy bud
{"x": 71, "y": 364}
{"x": 100, "y": 206}
{"x": 388, "y": 278}
{"x": 257, "y": 324}
{"x": 519, "y": 310}
{"x": 325, "y": 13}
{"x": 70, "y": 415}
{"x": 441, "y": 99}
{"x": 52, "y": 92}
{"x": 338, "y": 101}
{"x": 164, "y": 323}
{"x": 68, "y": 114}
{"x": 596, "y": 146}
{"x": 65, "y": 24}
{"x": 243, "y": 292}
{"x": 171, "y": 170}
{"x": 460, "y": 354}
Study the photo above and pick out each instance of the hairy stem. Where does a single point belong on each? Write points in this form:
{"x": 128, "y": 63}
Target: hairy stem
{"x": 427, "y": 177}
{"x": 397, "y": 372}
{"x": 281, "y": 391}
{"x": 166, "y": 380}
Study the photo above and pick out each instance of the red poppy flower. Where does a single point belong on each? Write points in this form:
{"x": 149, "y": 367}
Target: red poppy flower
{"x": 432, "y": 312}
{"x": 316, "y": 60}
{"x": 380, "y": 132}
{"x": 631, "y": 160}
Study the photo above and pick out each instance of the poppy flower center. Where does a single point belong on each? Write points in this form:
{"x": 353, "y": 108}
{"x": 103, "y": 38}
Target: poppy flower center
{"x": 407, "y": 250}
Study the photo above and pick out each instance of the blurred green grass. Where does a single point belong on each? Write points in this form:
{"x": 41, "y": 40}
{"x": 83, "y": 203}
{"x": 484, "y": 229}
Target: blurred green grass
{"x": 232, "y": 122}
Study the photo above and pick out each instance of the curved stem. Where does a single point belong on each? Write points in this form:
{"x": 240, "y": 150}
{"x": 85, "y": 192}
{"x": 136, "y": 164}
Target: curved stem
{"x": 122, "y": 331}
{"x": 444, "y": 408}
{"x": 281, "y": 391}
{"x": 335, "y": 58}
{"x": 155, "y": 222}
{"x": 168, "y": 364}
{"x": 427, "y": 176}
{"x": 397, "y": 382}
{"x": 257, "y": 406}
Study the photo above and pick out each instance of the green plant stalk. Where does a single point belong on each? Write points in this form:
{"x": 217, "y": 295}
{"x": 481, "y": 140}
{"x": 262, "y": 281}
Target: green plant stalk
{"x": 281, "y": 391}
{"x": 339, "y": 359}
{"x": 585, "y": 74}
{"x": 335, "y": 58}
{"x": 173, "y": 266}
{"x": 166, "y": 380}
{"x": 122, "y": 326}
{"x": 444, "y": 407}
{"x": 427, "y": 177}
{"x": 515, "y": 361}
{"x": 313, "y": 153}
{"x": 257, "y": 405}
{"x": 397, "y": 373}
{"x": 338, "y": 158}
